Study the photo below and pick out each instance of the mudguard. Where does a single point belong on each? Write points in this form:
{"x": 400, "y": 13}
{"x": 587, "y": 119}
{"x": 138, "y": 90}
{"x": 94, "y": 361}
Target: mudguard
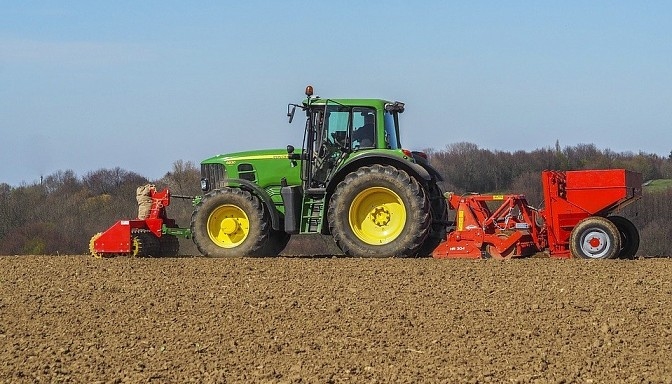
{"x": 260, "y": 193}
{"x": 413, "y": 169}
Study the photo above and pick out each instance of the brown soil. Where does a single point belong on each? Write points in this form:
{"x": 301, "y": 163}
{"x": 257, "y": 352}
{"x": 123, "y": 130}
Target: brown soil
{"x": 321, "y": 320}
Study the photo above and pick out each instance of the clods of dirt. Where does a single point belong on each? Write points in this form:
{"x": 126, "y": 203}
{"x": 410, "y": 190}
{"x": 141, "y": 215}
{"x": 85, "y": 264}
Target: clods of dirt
{"x": 124, "y": 320}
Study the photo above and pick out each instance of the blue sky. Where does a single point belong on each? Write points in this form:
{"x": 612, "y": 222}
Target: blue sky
{"x": 86, "y": 85}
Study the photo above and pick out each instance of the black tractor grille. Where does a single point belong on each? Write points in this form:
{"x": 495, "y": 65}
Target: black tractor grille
{"x": 215, "y": 174}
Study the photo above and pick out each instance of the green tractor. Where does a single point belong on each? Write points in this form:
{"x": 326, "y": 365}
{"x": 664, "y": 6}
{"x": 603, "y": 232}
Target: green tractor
{"x": 351, "y": 179}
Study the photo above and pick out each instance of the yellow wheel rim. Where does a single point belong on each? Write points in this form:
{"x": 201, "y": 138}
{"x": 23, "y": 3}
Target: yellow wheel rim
{"x": 228, "y": 226}
{"x": 377, "y": 216}
{"x": 92, "y": 247}
{"x": 136, "y": 246}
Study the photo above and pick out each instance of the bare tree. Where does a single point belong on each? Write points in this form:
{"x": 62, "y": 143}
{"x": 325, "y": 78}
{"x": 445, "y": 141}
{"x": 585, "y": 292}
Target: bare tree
{"x": 183, "y": 179}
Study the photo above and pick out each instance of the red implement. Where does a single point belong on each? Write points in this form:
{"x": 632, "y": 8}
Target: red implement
{"x": 139, "y": 237}
{"x": 482, "y": 231}
{"x": 575, "y": 220}
{"x": 573, "y": 196}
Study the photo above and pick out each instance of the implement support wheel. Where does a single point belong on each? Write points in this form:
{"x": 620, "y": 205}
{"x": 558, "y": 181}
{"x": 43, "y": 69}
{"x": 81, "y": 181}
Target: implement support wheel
{"x": 595, "y": 238}
{"x": 629, "y": 236}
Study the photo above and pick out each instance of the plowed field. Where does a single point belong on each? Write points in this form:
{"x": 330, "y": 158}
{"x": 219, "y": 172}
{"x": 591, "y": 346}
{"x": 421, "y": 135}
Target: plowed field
{"x": 323, "y": 320}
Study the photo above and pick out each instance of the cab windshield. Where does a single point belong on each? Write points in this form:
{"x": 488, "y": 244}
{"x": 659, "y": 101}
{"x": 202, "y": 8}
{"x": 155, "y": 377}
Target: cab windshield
{"x": 392, "y": 130}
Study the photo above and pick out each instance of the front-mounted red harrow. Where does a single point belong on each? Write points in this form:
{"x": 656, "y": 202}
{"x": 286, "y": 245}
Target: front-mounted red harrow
{"x": 153, "y": 235}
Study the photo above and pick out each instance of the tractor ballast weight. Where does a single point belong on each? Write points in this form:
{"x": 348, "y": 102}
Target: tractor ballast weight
{"x": 575, "y": 220}
{"x": 154, "y": 235}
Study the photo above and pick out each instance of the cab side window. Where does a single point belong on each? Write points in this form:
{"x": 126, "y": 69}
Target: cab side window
{"x": 363, "y": 128}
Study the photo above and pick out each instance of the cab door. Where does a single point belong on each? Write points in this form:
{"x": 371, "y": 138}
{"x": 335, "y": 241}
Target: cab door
{"x": 331, "y": 143}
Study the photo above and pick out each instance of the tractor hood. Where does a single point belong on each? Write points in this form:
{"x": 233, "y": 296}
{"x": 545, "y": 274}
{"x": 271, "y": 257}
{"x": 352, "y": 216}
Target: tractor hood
{"x": 265, "y": 168}
{"x": 247, "y": 156}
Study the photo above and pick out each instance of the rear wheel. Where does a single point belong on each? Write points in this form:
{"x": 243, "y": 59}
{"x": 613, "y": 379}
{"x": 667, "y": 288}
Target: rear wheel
{"x": 629, "y": 236}
{"x": 595, "y": 238}
{"x": 230, "y": 222}
{"x": 379, "y": 211}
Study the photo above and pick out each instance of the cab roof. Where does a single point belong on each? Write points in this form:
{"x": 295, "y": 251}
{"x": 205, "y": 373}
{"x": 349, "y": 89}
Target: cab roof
{"x": 373, "y": 103}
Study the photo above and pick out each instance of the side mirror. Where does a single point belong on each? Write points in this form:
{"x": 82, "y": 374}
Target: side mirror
{"x": 292, "y": 156}
{"x": 290, "y": 112}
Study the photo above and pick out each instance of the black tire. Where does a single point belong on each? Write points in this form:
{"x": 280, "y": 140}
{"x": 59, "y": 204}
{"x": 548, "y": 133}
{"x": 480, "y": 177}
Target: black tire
{"x": 595, "y": 238}
{"x": 629, "y": 236}
{"x": 379, "y": 211}
{"x": 439, "y": 212}
{"x": 230, "y": 222}
{"x": 145, "y": 244}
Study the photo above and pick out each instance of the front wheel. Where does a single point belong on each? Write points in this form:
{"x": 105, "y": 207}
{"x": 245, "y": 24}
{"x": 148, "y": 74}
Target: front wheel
{"x": 379, "y": 211}
{"x": 230, "y": 222}
{"x": 595, "y": 238}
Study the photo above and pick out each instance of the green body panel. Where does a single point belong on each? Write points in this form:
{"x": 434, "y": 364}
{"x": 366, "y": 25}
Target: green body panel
{"x": 265, "y": 168}
{"x": 372, "y": 156}
{"x": 397, "y": 153}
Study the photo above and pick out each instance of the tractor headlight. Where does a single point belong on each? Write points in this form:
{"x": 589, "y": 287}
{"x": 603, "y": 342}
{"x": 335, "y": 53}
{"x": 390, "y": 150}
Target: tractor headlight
{"x": 205, "y": 184}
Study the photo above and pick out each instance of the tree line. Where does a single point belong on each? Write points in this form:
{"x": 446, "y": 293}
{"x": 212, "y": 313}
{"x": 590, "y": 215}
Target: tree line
{"x": 60, "y": 214}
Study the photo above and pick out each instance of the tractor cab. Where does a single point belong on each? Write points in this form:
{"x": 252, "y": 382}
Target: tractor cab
{"x": 340, "y": 129}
